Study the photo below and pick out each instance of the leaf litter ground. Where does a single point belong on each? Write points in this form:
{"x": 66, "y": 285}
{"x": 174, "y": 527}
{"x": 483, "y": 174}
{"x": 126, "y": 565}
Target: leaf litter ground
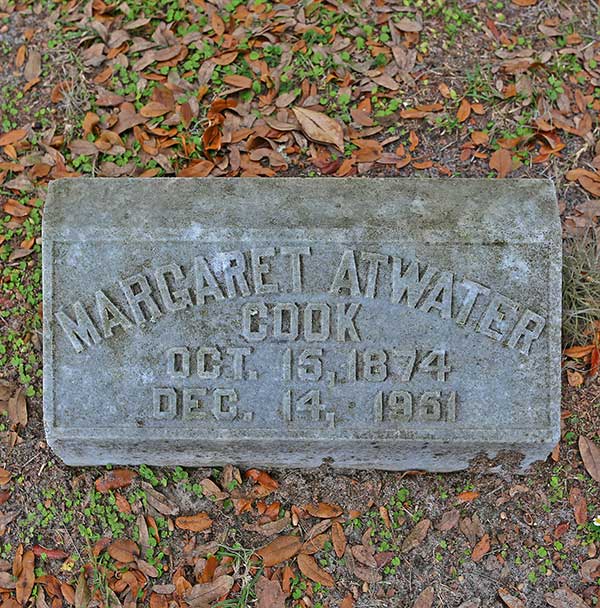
{"x": 495, "y": 88}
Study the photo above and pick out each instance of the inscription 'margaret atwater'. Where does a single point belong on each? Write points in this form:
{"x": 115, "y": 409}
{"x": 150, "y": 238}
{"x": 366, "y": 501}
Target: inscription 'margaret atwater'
{"x": 423, "y": 287}
{"x": 293, "y": 322}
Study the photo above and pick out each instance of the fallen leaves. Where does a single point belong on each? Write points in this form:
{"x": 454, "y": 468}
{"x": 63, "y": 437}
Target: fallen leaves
{"x": 338, "y": 539}
{"x": 25, "y": 577}
{"x": 280, "y": 550}
{"x": 323, "y": 510}
{"x": 501, "y": 161}
{"x": 449, "y": 520}
{"x": 194, "y": 523}
{"x": 424, "y": 599}
{"x": 12, "y": 137}
{"x": 481, "y": 548}
{"x": 123, "y": 550}
{"x": 464, "y": 110}
{"x": 204, "y": 595}
{"x": 510, "y": 600}
{"x": 416, "y": 536}
{"x": 319, "y": 127}
{"x": 115, "y": 480}
{"x": 308, "y": 566}
{"x": 590, "y": 454}
{"x": 564, "y": 598}
{"x": 269, "y": 593}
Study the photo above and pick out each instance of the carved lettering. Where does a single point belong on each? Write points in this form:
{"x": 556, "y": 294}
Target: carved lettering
{"x": 138, "y": 292}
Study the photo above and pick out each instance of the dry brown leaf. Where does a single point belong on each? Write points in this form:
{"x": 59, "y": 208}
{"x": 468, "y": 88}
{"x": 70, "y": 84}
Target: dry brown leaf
{"x": 480, "y": 137}
{"x": 280, "y": 550}
{"x": 319, "y": 127}
{"x": 467, "y": 496}
{"x": 17, "y": 410}
{"x": 408, "y": 25}
{"x": 590, "y": 570}
{"x": 33, "y": 67}
{"x": 262, "y": 478}
{"x": 425, "y": 598}
{"x": 348, "y": 601}
{"x": 591, "y": 185}
{"x": 115, "y": 479}
{"x": 574, "y": 378}
{"x": 416, "y": 536}
{"x": 195, "y": 523}
{"x": 481, "y": 548}
{"x": 123, "y": 550}
{"x": 564, "y": 598}
{"x": 16, "y": 209}
{"x": 580, "y": 511}
{"x": 12, "y": 137}
{"x": 510, "y": 600}
{"x": 464, "y": 110}
{"x": 501, "y": 161}
{"x": 82, "y": 592}
{"x": 364, "y": 555}
{"x": 323, "y": 510}
{"x": 204, "y": 594}
{"x": 26, "y": 578}
{"x": 449, "y": 520}
{"x": 5, "y": 476}
{"x": 159, "y": 501}
{"x": 269, "y": 593}
{"x": 153, "y": 109}
{"x": 525, "y": 2}
{"x": 315, "y": 544}
{"x": 577, "y": 352}
{"x": 309, "y": 567}
{"x": 590, "y": 454}
{"x": 199, "y": 169}
{"x": 338, "y": 538}
{"x": 236, "y": 80}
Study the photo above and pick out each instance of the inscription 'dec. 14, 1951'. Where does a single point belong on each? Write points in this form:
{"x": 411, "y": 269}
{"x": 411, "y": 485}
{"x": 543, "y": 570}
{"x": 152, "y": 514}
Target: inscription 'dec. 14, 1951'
{"x": 295, "y": 342}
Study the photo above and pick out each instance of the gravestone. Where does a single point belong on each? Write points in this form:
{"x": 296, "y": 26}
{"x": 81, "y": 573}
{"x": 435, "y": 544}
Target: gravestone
{"x": 385, "y": 323}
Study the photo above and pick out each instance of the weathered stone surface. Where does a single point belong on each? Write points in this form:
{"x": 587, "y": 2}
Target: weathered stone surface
{"x": 388, "y": 323}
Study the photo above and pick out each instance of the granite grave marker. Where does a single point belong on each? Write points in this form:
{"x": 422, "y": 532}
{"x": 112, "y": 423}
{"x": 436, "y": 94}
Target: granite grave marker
{"x": 386, "y": 323}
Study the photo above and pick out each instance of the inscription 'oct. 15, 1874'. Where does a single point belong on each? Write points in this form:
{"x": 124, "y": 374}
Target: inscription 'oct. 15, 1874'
{"x": 206, "y": 341}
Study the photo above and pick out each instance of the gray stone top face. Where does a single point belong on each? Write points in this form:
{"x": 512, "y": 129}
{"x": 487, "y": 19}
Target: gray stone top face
{"x": 389, "y": 323}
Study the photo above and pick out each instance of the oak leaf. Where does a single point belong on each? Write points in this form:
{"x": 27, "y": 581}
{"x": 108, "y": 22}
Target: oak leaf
{"x": 425, "y": 598}
{"x": 199, "y": 169}
{"x": 308, "y": 566}
{"x": 319, "y": 127}
{"x": 26, "y": 578}
{"x": 501, "y": 161}
{"x": 338, "y": 538}
{"x": 12, "y": 137}
{"x": 323, "y": 510}
{"x": 481, "y": 548}
{"x": 464, "y": 110}
{"x": 204, "y": 595}
{"x": 590, "y": 454}
{"x": 510, "y": 600}
{"x": 280, "y": 550}
{"x": 195, "y": 523}
{"x": 416, "y": 536}
{"x": 449, "y": 520}
{"x": 467, "y": 496}
{"x": 115, "y": 479}
{"x": 564, "y": 598}
{"x": 123, "y": 550}
{"x": 270, "y": 594}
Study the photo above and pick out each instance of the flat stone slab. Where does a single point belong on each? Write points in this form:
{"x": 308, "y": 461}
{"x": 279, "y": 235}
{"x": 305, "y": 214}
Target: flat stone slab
{"x": 385, "y": 323}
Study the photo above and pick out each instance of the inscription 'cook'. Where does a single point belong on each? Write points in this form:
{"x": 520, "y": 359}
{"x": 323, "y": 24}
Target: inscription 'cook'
{"x": 357, "y": 275}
